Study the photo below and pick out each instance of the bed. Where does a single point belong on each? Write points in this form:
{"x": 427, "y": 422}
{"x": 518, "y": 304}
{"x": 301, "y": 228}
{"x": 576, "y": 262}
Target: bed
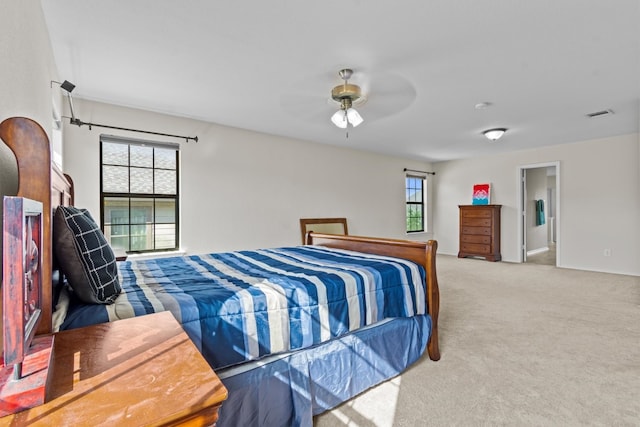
{"x": 284, "y": 328}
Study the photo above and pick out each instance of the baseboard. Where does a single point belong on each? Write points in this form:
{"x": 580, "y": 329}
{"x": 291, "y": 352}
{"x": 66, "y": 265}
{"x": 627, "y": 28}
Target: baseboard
{"x": 537, "y": 251}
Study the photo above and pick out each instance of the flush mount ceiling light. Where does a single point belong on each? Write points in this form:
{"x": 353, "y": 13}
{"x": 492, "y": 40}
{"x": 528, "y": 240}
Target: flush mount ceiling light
{"x": 494, "y": 134}
{"x": 346, "y": 94}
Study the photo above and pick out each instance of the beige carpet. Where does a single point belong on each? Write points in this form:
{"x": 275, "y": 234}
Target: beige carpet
{"x": 545, "y": 258}
{"x": 522, "y": 345}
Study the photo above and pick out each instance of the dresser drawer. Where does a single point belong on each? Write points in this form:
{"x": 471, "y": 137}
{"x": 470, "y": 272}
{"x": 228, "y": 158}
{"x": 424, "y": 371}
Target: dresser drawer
{"x": 475, "y": 238}
{"x": 476, "y": 222}
{"x": 475, "y": 248}
{"x": 485, "y": 231}
{"x": 477, "y": 213}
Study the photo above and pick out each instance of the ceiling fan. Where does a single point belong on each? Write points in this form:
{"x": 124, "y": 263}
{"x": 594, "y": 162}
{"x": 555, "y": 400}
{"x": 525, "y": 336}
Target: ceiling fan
{"x": 346, "y": 94}
{"x": 315, "y": 98}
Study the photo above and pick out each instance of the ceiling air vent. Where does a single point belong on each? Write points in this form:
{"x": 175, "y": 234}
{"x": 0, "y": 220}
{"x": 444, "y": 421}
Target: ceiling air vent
{"x": 599, "y": 113}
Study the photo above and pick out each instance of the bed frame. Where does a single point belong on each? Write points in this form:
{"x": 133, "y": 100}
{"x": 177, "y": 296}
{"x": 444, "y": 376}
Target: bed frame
{"x": 423, "y": 253}
{"x": 39, "y": 179}
{"x": 323, "y": 225}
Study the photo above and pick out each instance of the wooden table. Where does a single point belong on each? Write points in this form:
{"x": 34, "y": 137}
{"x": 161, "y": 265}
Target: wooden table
{"x": 133, "y": 372}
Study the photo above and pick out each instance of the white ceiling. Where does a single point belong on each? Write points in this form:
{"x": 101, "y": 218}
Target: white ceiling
{"x": 269, "y": 66}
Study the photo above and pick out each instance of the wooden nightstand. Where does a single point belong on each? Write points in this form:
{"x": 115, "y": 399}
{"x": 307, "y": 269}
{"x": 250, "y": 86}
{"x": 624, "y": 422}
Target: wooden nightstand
{"x": 133, "y": 372}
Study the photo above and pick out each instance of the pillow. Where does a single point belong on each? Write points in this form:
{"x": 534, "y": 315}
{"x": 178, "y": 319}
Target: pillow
{"x": 85, "y": 256}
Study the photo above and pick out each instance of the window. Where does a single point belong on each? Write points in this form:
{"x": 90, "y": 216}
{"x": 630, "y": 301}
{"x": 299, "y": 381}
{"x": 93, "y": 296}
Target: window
{"x": 139, "y": 194}
{"x": 415, "y": 194}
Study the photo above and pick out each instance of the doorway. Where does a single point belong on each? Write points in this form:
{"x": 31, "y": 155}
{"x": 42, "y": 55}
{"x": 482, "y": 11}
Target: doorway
{"x": 539, "y": 213}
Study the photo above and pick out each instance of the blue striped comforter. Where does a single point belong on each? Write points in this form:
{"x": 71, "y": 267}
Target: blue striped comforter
{"x": 241, "y": 306}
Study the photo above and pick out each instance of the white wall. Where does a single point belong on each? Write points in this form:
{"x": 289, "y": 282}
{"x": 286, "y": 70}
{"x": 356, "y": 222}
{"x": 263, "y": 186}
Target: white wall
{"x": 25, "y": 76}
{"x": 600, "y": 200}
{"x": 26, "y": 69}
{"x": 27, "y": 63}
{"x": 242, "y": 189}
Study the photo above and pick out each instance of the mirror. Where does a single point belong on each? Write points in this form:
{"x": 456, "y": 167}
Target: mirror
{"x": 8, "y": 181}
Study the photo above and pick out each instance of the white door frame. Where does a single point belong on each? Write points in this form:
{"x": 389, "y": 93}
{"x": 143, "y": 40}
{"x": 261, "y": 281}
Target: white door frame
{"x": 522, "y": 247}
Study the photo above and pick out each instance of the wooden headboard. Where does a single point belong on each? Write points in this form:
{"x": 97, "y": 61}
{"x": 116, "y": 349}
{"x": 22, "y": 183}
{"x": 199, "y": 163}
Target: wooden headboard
{"x": 323, "y": 225}
{"x": 40, "y": 180}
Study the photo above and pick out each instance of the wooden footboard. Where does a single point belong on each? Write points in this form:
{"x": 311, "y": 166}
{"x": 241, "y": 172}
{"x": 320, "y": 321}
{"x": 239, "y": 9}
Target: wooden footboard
{"x": 423, "y": 253}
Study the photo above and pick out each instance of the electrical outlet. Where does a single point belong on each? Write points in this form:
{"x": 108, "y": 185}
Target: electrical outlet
{"x": 607, "y": 252}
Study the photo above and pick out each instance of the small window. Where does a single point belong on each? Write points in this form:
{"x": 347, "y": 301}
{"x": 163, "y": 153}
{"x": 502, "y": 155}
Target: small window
{"x": 415, "y": 195}
{"x": 139, "y": 194}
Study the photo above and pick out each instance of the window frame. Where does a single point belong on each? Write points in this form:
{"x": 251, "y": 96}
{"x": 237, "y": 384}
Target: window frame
{"x": 421, "y": 204}
{"x": 153, "y": 197}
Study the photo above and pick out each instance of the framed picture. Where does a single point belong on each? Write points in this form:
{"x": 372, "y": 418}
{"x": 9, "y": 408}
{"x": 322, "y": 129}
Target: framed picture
{"x": 22, "y": 276}
{"x": 481, "y": 194}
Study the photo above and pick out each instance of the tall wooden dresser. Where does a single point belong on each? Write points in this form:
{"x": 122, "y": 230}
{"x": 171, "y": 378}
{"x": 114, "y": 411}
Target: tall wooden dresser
{"x": 480, "y": 231}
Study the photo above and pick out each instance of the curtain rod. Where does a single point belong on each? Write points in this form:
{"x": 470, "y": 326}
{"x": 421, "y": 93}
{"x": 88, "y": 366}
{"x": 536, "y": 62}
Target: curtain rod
{"x": 80, "y": 123}
{"x": 424, "y": 172}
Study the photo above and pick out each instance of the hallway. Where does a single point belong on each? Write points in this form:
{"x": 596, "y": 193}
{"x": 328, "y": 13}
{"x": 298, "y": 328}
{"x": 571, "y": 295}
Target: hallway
{"x": 544, "y": 258}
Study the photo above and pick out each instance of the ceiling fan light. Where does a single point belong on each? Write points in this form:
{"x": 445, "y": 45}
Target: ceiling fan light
{"x": 494, "y": 134}
{"x": 354, "y": 117}
{"x": 339, "y": 119}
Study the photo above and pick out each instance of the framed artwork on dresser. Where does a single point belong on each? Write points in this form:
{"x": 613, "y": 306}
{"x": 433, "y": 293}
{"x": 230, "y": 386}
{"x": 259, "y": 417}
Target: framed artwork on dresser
{"x": 481, "y": 194}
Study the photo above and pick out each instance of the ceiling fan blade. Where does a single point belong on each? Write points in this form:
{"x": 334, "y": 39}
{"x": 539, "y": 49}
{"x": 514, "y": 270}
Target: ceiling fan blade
{"x": 310, "y": 108}
{"x": 387, "y": 94}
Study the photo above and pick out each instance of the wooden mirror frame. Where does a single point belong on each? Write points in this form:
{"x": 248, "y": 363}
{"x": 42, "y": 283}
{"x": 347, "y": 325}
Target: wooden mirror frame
{"x": 306, "y": 224}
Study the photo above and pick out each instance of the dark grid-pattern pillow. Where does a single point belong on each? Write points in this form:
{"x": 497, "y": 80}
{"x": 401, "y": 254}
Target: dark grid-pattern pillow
{"x": 85, "y": 256}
